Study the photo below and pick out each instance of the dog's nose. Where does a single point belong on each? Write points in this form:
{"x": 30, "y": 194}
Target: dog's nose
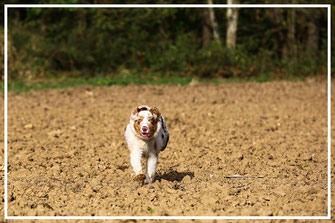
{"x": 144, "y": 128}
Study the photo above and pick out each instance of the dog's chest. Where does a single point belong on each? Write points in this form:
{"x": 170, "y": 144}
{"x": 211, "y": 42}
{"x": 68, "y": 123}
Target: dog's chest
{"x": 144, "y": 145}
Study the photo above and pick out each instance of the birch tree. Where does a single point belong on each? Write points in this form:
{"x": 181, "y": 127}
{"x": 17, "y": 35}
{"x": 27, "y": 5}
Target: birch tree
{"x": 232, "y": 16}
{"x": 213, "y": 23}
{"x": 210, "y": 26}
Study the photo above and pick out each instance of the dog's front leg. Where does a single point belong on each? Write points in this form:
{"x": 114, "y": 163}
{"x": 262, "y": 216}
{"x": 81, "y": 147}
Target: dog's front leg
{"x": 151, "y": 167}
{"x": 135, "y": 161}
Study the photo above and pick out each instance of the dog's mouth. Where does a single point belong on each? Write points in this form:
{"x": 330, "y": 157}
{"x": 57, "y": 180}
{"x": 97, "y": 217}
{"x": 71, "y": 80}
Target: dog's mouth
{"x": 145, "y": 134}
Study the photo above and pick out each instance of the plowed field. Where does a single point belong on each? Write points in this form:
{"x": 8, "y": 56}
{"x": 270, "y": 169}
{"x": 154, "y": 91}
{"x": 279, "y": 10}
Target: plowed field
{"x": 235, "y": 149}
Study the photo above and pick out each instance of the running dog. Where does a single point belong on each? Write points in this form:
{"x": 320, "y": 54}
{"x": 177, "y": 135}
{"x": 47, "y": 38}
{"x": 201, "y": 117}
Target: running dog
{"x": 146, "y": 134}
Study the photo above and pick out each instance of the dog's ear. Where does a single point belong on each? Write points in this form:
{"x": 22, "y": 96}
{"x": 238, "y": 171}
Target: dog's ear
{"x": 134, "y": 114}
{"x": 137, "y": 110}
{"x": 154, "y": 110}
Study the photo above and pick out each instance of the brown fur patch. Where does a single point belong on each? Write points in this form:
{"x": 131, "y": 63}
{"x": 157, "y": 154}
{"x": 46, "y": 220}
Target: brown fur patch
{"x": 154, "y": 110}
{"x": 140, "y": 177}
{"x": 137, "y": 127}
{"x": 153, "y": 125}
{"x": 139, "y": 109}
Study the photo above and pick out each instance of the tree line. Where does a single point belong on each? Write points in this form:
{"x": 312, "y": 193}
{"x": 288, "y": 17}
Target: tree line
{"x": 197, "y": 42}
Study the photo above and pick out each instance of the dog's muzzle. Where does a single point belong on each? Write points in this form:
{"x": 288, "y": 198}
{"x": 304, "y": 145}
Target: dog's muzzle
{"x": 145, "y": 132}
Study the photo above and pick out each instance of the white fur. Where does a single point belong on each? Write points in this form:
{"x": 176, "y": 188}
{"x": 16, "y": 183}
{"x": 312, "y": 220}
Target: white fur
{"x": 140, "y": 146}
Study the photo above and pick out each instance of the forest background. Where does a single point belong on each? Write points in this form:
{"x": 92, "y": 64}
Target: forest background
{"x": 154, "y": 45}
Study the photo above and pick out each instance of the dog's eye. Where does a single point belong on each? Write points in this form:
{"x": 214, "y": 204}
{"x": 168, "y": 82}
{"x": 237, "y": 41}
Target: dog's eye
{"x": 139, "y": 120}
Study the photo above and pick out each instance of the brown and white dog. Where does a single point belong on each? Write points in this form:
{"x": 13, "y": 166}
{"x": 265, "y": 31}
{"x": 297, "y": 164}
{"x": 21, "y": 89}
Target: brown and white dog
{"x": 146, "y": 134}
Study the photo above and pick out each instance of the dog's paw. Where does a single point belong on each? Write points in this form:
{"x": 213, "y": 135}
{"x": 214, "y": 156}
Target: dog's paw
{"x": 140, "y": 177}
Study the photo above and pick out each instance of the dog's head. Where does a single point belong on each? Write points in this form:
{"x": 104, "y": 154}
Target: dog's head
{"x": 145, "y": 121}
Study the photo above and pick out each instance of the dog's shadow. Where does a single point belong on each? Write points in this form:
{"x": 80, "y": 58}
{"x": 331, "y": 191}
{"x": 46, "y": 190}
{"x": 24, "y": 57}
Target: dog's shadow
{"x": 174, "y": 176}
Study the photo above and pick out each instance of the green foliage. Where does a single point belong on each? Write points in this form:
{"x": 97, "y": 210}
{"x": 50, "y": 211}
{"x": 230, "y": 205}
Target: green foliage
{"x": 304, "y": 166}
{"x": 23, "y": 85}
{"x": 150, "y": 210}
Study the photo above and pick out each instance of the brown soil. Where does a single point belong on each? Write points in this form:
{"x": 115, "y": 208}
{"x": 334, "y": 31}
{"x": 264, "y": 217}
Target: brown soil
{"x": 68, "y": 157}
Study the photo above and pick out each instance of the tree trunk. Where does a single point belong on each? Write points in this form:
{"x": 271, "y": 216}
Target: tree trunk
{"x": 232, "y": 16}
{"x": 313, "y": 34}
{"x": 290, "y": 49}
{"x": 206, "y": 31}
{"x": 213, "y": 23}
